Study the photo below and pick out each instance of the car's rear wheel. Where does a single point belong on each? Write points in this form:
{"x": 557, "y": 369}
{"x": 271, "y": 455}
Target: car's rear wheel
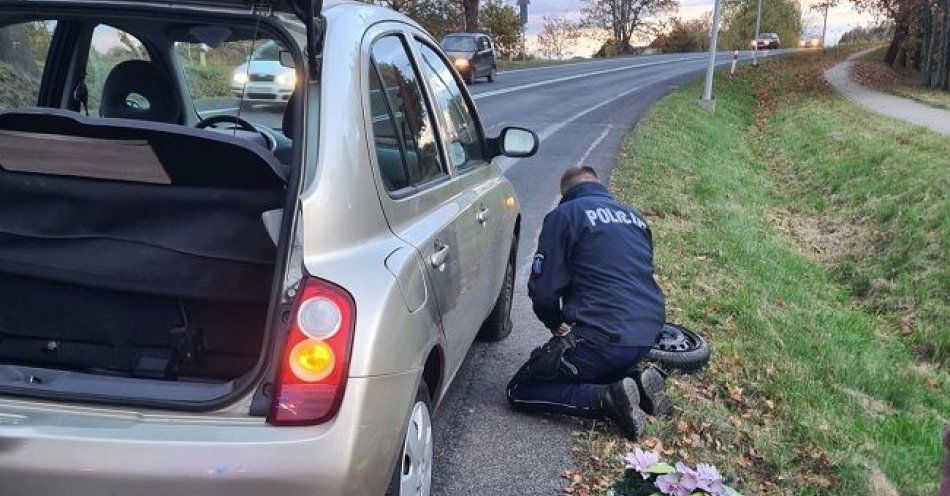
{"x": 412, "y": 475}
{"x": 498, "y": 324}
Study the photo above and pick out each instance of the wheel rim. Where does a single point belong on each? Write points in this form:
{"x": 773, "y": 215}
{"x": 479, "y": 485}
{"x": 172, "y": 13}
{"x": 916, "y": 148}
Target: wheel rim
{"x": 416, "y": 475}
{"x": 677, "y": 339}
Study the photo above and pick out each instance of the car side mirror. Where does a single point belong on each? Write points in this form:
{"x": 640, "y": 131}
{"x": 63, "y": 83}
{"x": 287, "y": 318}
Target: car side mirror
{"x": 286, "y": 59}
{"x": 515, "y": 142}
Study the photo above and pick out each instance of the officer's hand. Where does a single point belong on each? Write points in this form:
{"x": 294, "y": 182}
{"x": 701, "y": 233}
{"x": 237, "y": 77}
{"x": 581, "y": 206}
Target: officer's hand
{"x": 562, "y": 329}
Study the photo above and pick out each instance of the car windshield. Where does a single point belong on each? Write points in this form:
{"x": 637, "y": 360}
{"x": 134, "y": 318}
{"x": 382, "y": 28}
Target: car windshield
{"x": 458, "y": 44}
{"x": 770, "y": 36}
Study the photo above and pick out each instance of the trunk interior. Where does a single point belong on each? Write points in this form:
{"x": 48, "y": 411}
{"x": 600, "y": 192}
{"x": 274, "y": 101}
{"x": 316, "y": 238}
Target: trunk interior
{"x": 132, "y": 253}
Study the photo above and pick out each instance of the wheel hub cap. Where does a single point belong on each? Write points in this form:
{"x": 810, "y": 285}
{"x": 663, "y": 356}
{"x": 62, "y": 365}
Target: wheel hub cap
{"x": 416, "y": 476}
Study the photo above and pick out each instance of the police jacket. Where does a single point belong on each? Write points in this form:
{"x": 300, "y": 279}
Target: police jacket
{"x": 594, "y": 269}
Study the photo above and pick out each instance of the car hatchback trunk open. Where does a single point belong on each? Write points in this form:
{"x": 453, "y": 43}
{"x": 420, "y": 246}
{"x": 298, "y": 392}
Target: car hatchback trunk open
{"x": 134, "y": 258}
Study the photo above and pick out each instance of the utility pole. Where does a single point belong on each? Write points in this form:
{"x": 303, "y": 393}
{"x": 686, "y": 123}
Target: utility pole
{"x": 523, "y": 12}
{"x": 755, "y": 41}
{"x": 824, "y": 29}
{"x": 707, "y": 101}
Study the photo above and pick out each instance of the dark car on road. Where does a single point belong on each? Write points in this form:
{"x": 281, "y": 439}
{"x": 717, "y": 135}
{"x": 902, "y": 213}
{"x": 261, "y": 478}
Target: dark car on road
{"x": 472, "y": 54}
{"x": 767, "y": 40}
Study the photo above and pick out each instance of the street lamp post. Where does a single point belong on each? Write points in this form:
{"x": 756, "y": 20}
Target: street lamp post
{"x": 707, "y": 101}
{"x": 755, "y": 41}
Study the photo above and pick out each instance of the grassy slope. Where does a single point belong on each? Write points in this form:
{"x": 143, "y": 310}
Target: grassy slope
{"x": 813, "y": 388}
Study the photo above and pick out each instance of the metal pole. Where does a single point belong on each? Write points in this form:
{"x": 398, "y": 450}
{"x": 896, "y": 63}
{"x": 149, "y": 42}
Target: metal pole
{"x": 755, "y": 41}
{"x": 707, "y": 100}
{"x": 824, "y": 29}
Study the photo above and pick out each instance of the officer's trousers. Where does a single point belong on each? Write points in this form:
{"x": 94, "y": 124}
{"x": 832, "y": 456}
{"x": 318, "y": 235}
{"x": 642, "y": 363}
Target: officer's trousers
{"x": 597, "y": 365}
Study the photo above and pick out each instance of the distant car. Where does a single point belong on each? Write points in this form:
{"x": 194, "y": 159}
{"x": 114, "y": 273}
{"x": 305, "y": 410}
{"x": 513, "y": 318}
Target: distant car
{"x": 809, "y": 43}
{"x": 264, "y": 79}
{"x": 472, "y": 54}
{"x": 767, "y": 40}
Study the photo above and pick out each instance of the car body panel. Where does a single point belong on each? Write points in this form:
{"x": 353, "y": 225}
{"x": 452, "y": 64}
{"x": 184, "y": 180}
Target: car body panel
{"x": 52, "y": 449}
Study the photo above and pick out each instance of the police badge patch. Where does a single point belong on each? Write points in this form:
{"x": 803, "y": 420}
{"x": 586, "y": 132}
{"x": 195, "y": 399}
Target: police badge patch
{"x": 538, "y": 265}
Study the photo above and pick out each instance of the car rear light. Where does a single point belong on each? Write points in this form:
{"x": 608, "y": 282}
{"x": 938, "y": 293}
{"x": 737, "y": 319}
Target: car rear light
{"x": 316, "y": 356}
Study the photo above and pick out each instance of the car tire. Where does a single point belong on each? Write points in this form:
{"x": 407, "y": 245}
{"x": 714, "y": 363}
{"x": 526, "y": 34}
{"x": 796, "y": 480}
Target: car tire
{"x": 412, "y": 473}
{"x": 498, "y": 324}
{"x": 470, "y": 77}
{"x": 681, "y": 349}
{"x": 491, "y": 75}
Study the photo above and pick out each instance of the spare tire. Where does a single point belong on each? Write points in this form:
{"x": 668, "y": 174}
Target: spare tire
{"x": 680, "y": 348}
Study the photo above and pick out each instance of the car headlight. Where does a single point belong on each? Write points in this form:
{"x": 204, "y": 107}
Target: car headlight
{"x": 287, "y": 79}
{"x": 240, "y": 77}
{"x": 461, "y": 64}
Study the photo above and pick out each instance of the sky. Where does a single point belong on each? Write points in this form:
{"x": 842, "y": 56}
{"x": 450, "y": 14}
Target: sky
{"x": 840, "y": 19}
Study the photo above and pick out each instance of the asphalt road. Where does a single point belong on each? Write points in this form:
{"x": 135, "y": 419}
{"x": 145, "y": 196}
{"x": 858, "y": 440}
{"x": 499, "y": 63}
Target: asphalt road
{"x": 581, "y": 113}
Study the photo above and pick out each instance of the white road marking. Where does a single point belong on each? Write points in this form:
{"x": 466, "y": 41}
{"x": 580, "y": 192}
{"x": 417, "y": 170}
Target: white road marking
{"x": 506, "y": 162}
{"x": 536, "y": 84}
{"x": 594, "y": 145}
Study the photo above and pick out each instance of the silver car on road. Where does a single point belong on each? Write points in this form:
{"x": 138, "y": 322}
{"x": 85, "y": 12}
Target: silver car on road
{"x": 213, "y": 303}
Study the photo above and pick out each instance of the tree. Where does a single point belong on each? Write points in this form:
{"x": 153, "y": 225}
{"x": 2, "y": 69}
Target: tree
{"x": 921, "y": 36}
{"x": 503, "y": 23}
{"x": 469, "y": 10}
{"x": 623, "y": 18}
{"x": 438, "y": 17}
{"x": 783, "y": 17}
{"x": 15, "y": 50}
{"x": 557, "y": 35}
{"x": 684, "y": 36}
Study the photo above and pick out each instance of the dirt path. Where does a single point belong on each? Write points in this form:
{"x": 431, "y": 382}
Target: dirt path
{"x": 892, "y": 106}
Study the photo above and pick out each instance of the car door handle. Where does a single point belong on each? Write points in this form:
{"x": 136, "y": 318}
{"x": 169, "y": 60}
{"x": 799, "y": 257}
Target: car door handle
{"x": 438, "y": 257}
{"x": 482, "y": 216}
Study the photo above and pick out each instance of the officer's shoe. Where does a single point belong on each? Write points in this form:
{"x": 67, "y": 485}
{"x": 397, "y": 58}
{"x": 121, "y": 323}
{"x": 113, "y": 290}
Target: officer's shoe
{"x": 621, "y": 403}
{"x": 652, "y": 398}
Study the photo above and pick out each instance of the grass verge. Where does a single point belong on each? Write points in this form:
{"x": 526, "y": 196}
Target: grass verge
{"x": 870, "y": 70}
{"x": 810, "y": 240}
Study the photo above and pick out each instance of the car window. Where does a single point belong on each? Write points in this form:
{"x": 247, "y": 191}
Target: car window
{"x": 462, "y": 134}
{"x": 458, "y": 44}
{"x": 406, "y": 98}
{"x": 241, "y": 78}
{"x": 23, "y": 50}
{"x": 110, "y": 47}
{"x": 390, "y": 156}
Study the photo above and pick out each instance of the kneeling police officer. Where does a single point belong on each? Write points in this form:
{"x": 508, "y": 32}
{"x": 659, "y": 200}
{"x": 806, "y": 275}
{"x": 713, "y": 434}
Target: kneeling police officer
{"x": 592, "y": 285}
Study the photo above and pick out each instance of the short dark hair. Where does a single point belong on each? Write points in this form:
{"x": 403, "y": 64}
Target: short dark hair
{"x": 571, "y": 176}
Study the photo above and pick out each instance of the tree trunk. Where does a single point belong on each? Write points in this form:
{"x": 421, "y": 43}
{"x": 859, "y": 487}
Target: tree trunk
{"x": 470, "y": 12}
{"x": 930, "y": 39}
{"x": 943, "y": 79}
{"x": 895, "y": 45}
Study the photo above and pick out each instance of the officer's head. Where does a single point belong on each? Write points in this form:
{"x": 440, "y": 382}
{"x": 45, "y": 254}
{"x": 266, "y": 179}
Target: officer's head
{"x": 576, "y": 175}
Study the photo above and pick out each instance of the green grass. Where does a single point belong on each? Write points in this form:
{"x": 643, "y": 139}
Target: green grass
{"x": 810, "y": 240}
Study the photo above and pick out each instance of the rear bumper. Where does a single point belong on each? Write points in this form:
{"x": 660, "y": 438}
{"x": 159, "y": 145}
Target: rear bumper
{"x": 93, "y": 452}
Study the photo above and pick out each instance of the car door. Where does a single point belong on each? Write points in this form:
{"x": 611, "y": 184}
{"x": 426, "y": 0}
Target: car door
{"x": 483, "y": 189}
{"x": 424, "y": 205}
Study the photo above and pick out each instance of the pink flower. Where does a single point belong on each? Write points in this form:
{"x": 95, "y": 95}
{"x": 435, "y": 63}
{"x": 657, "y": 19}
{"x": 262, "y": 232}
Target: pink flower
{"x": 709, "y": 479}
{"x": 672, "y": 484}
{"x": 689, "y": 479}
{"x": 640, "y": 461}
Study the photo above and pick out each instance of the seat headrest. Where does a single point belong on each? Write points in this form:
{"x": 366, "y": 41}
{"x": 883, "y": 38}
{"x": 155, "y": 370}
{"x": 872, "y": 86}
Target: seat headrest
{"x": 157, "y": 100}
